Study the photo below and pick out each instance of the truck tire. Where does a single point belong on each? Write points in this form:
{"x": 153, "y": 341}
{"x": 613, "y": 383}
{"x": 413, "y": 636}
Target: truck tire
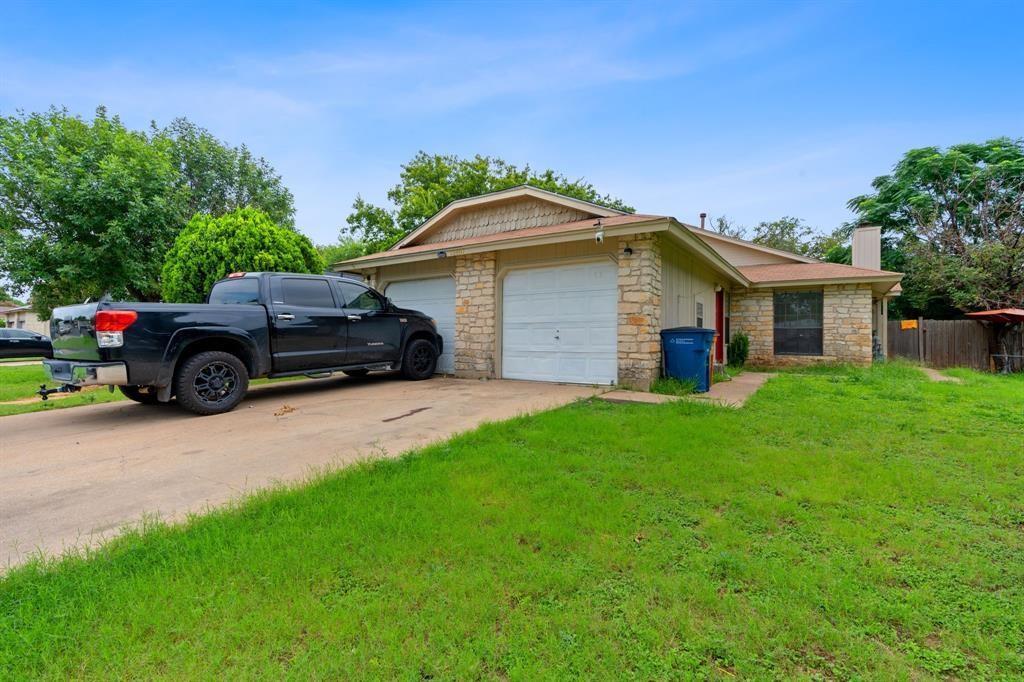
{"x": 419, "y": 360}
{"x": 140, "y": 394}
{"x": 212, "y": 382}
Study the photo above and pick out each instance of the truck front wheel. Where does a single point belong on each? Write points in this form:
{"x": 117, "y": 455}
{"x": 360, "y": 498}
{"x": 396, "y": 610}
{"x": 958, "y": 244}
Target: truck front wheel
{"x": 211, "y": 382}
{"x": 140, "y": 394}
{"x": 420, "y": 360}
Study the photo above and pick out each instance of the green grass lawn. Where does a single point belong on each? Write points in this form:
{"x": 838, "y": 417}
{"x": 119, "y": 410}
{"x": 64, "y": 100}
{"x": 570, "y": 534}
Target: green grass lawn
{"x": 845, "y": 524}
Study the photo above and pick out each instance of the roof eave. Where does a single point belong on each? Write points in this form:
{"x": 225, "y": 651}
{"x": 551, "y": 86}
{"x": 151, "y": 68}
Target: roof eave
{"x": 822, "y": 281}
{"x": 751, "y": 245}
{"x": 579, "y": 234}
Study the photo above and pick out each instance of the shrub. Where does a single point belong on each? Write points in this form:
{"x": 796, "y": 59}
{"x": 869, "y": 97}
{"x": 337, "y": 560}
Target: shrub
{"x": 739, "y": 349}
{"x": 244, "y": 240}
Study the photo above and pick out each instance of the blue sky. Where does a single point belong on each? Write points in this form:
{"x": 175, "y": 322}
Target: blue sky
{"x": 753, "y": 110}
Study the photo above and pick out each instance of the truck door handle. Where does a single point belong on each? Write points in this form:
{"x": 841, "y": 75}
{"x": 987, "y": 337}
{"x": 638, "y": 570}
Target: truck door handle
{"x": 354, "y": 318}
{"x": 285, "y": 316}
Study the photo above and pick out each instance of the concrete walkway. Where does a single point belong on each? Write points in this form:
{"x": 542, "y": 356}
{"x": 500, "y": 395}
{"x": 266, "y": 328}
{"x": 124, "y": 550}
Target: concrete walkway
{"x": 623, "y": 396}
{"x": 736, "y": 392}
{"x": 726, "y": 393}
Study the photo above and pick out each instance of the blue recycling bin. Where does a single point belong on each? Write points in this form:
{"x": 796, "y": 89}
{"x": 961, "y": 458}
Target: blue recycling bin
{"x": 687, "y": 354}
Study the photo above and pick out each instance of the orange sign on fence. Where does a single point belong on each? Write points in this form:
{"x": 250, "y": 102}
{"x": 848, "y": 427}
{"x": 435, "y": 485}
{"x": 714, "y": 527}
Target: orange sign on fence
{"x": 908, "y": 324}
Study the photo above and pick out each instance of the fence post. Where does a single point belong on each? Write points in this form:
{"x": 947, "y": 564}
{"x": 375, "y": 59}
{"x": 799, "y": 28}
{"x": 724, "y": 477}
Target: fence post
{"x": 920, "y": 339}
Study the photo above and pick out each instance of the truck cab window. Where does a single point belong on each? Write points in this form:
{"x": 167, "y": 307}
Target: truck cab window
{"x": 245, "y": 290}
{"x": 359, "y": 297}
{"x": 299, "y": 291}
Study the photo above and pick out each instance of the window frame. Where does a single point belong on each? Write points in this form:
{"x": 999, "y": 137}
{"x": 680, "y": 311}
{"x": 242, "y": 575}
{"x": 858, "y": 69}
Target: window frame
{"x": 277, "y": 289}
{"x": 817, "y": 345}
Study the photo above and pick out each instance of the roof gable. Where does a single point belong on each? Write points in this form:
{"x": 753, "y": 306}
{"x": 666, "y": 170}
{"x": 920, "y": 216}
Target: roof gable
{"x": 509, "y": 210}
{"x": 742, "y": 253}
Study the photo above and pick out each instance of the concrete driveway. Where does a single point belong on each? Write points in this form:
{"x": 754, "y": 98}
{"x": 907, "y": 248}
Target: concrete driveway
{"x": 73, "y": 477}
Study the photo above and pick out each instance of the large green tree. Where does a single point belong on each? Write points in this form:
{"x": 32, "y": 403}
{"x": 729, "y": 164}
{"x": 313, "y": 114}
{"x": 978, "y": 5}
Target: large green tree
{"x": 220, "y": 178}
{"x": 431, "y": 181}
{"x": 90, "y": 207}
{"x": 86, "y": 208}
{"x": 244, "y": 240}
{"x": 957, "y": 215}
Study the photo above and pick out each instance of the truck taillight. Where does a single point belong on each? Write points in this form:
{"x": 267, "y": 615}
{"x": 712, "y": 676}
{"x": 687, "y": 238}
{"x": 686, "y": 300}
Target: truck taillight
{"x": 110, "y": 326}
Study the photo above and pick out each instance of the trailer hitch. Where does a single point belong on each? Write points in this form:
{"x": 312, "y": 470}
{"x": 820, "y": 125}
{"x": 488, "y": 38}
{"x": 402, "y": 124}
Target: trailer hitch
{"x": 45, "y": 392}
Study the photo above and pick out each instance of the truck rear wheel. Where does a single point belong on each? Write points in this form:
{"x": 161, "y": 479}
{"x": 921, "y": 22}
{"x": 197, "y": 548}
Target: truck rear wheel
{"x": 140, "y": 394}
{"x": 420, "y": 360}
{"x": 212, "y": 382}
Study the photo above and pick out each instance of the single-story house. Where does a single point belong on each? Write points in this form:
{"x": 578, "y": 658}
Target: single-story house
{"x": 529, "y": 284}
{"x": 23, "y": 317}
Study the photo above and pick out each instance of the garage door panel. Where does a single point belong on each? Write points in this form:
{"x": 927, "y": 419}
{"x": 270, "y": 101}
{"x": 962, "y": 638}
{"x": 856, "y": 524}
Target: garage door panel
{"x": 603, "y": 306}
{"x": 434, "y": 297}
{"x": 535, "y": 366}
{"x": 560, "y": 323}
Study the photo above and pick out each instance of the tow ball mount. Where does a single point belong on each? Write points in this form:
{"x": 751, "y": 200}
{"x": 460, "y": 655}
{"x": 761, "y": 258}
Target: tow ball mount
{"x": 45, "y": 392}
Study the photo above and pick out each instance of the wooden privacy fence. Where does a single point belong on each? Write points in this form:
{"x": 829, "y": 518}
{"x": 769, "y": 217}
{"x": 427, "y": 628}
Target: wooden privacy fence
{"x": 950, "y": 343}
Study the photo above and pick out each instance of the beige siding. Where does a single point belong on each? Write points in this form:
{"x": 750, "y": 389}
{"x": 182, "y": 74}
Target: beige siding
{"x": 505, "y": 216}
{"x": 739, "y": 255}
{"x": 540, "y": 255}
{"x": 439, "y": 267}
{"x": 685, "y": 282}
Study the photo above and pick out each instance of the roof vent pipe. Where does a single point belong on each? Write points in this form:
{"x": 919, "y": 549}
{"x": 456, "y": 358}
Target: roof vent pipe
{"x": 703, "y": 217}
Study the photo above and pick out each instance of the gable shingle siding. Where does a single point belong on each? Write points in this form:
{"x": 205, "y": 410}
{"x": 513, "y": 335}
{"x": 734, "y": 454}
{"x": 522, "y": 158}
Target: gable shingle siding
{"x": 519, "y": 214}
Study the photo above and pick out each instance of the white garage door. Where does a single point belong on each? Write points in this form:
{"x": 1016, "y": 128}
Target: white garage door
{"x": 435, "y": 297}
{"x": 560, "y": 324}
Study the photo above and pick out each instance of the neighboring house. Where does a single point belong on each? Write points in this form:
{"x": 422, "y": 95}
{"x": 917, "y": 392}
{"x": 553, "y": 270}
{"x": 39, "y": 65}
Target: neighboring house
{"x": 529, "y": 284}
{"x": 22, "y": 317}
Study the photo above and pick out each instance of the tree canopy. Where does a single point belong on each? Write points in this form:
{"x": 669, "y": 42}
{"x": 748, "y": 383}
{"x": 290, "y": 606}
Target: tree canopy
{"x": 347, "y": 247}
{"x": 91, "y": 207}
{"x": 429, "y": 182}
{"x": 244, "y": 240}
{"x": 786, "y": 233}
{"x": 220, "y": 178}
{"x": 727, "y": 227}
{"x": 957, "y": 215}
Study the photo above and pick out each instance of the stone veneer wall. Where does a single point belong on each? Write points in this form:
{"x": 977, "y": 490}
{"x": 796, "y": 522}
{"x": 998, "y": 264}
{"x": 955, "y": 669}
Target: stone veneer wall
{"x": 639, "y": 338}
{"x": 846, "y": 325}
{"x": 475, "y": 320}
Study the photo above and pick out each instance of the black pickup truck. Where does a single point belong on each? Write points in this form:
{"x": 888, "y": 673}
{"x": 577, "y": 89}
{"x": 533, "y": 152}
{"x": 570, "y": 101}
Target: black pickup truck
{"x": 255, "y": 324}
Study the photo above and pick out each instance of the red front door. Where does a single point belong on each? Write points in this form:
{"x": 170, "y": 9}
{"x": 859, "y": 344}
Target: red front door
{"x": 720, "y": 326}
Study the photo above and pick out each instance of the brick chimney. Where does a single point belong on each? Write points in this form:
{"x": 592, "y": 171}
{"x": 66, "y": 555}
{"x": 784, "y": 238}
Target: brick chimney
{"x": 867, "y": 247}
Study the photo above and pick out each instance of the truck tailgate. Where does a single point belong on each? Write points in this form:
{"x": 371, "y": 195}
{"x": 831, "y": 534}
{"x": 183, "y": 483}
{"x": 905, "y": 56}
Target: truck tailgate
{"x": 73, "y": 334}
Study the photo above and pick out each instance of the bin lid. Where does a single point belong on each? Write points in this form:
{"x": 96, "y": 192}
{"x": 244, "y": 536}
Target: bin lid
{"x": 688, "y": 330}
